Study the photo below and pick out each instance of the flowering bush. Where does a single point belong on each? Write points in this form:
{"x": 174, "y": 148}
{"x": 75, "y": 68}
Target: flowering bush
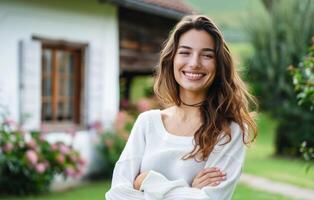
{"x": 28, "y": 163}
{"x": 112, "y": 143}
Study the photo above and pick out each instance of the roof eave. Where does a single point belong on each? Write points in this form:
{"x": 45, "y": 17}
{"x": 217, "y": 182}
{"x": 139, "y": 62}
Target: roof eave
{"x": 150, "y": 8}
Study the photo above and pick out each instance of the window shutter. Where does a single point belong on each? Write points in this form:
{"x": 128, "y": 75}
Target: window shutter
{"x": 30, "y": 84}
{"x": 95, "y": 82}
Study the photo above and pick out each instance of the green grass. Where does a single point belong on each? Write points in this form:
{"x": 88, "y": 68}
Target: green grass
{"x": 260, "y": 160}
{"x": 90, "y": 191}
{"x": 244, "y": 192}
{"x": 97, "y": 190}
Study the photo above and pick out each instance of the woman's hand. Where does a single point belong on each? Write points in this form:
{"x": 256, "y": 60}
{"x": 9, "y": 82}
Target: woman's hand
{"x": 209, "y": 176}
{"x": 139, "y": 179}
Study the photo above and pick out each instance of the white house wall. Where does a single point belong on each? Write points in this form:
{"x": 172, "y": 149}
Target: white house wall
{"x": 79, "y": 21}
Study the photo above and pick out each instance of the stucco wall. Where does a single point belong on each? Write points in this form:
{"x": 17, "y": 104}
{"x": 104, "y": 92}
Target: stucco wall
{"x": 76, "y": 21}
{"x": 79, "y": 21}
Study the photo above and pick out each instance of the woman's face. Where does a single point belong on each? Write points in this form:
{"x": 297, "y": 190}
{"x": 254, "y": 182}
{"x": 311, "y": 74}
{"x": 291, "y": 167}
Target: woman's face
{"x": 195, "y": 61}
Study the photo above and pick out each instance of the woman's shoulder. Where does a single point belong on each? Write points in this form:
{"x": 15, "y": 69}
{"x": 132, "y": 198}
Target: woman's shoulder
{"x": 147, "y": 116}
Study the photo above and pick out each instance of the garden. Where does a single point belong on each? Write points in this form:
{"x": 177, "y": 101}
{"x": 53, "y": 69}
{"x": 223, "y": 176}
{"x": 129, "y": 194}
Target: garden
{"x": 277, "y": 60}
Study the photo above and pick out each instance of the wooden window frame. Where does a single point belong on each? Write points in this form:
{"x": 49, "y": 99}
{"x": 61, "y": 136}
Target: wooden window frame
{"x": 78, "y": 93}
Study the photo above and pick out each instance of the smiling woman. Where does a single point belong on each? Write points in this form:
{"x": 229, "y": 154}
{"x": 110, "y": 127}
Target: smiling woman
{"x": 194, "y": 148}
{"x": 194, "y": 64}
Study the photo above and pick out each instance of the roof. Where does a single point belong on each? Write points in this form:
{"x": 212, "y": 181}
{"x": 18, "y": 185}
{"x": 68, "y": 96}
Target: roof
{"x": 167, "y": 8}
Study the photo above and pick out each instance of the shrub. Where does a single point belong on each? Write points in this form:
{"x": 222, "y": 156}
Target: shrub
{"x": 303, "y": 79}
{"x": 280, "y": 39}
{"x": 28, "y": 163}
{"x": 112, "y": 143}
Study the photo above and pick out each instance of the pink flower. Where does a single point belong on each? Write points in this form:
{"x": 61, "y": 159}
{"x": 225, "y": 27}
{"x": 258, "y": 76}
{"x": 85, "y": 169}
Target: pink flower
{"x": 124, "y": 103}
{"x": 9, "y": 122}
{"x": 143, "y": 105}
{"x": 109, "y": 143}
{"x": 40, "y": 168}
{"x": 7, "y": 147}
{"x": 60, "y": 159}
{"x": 42, "y": 137}
{"x": 69, "y": 171}
{"x": 54, "y": 147}
{"x": 81, "y": 161}
{"x": 97, "y": 126}
{"x": 31, "y": 144}
{"x": 121, "y": 119}
{"x": 64, "y": 149}
{"x": 31, "y": 157}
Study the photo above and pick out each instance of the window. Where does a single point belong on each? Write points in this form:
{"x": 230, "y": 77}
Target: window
{"x": 62, "y": 88}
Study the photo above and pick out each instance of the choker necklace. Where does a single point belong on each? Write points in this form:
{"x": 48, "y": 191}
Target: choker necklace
{"x": 193, "y": 105}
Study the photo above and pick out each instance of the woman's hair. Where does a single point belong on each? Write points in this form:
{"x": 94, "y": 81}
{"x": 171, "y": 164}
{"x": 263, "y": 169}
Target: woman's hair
{"x": 227, "y": 100}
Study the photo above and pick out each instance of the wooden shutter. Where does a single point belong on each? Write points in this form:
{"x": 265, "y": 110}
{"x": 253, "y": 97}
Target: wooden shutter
{"x": 30, "y": 84}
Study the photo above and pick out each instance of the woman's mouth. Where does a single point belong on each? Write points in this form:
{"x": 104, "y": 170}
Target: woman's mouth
{"x": 193, "y": 76}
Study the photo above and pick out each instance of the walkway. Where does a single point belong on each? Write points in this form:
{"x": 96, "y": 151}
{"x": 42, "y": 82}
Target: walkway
{"x": 285, "y": 189}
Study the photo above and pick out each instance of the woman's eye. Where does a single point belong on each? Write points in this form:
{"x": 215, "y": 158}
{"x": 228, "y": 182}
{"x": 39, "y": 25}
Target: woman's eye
{"x": 184, "y": 53}
{"x": 208, "y": 55}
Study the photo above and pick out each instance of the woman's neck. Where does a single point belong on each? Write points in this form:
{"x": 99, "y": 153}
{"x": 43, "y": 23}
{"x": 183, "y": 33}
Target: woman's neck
{"x": 185, "y": 111}
{"x": 193, "y": 99}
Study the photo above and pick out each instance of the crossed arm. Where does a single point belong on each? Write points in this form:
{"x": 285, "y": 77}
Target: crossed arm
{"x": 128, "y": 183}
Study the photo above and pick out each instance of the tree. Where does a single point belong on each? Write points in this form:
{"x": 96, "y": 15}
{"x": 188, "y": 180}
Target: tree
{"x": 280, "y": 38}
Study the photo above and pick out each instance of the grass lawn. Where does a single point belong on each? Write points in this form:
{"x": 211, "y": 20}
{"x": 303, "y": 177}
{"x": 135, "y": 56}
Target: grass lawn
{"x": 96, "y": 191}
{"x": 260, "y": 160}
{"x": 243, "y": 192}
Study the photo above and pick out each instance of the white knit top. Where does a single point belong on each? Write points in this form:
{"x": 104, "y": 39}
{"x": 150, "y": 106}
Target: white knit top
{"x": 152, "y": 148}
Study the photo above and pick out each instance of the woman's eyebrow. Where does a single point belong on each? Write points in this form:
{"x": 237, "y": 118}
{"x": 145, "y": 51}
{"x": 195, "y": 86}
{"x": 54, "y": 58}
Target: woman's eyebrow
{"x": 204, "y": 49}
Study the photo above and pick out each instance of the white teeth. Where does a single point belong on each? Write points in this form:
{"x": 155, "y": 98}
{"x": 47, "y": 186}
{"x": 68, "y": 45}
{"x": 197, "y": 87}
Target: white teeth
{"x": 193, "y": 75}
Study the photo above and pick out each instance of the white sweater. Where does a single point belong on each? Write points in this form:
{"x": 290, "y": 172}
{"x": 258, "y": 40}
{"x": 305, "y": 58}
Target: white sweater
{"x": 151, "y": 148}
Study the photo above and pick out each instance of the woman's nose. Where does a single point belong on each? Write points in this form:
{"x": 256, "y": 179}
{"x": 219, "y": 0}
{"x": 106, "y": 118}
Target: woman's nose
{"x": 194, "y": 61}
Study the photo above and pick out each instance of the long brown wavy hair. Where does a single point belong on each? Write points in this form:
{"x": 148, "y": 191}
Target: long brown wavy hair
{"x": 228, "y": 99}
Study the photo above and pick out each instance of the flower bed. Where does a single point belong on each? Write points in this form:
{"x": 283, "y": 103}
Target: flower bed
{"x": 28, "y": 163}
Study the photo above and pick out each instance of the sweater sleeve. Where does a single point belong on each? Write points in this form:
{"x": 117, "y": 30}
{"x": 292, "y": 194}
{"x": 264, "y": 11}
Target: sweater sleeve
{"x": 128, "y": 165}
{"x": 229, "y": 158}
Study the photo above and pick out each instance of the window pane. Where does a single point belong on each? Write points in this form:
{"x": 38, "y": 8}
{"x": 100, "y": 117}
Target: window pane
{"x": 47, "y": 54}
{"x": 60, "y": 111}
{"x": 46, "y": 111}
{"x": 46, "y": 84}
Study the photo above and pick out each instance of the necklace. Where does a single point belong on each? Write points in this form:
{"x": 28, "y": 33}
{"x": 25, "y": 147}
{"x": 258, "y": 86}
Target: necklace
{"x": 193, "y": 105}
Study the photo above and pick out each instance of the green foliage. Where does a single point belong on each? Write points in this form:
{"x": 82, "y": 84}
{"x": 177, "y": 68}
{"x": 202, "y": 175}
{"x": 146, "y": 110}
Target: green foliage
{"x": 308, "y": 153}
{"x": 111, "y": 149}
{"x": 28, "y": 163}
{"x": 303, "y": 79}
{"x": 280, "y": 39}
{"x": 112, "y": 143}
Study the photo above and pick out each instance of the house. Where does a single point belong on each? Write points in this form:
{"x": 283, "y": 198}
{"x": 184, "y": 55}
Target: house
{"x": 61, "y": 61}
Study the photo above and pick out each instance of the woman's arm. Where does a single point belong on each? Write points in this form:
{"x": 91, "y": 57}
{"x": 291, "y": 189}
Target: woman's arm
{"x": 128, "y": 165}
{"x": 229, "y": 159}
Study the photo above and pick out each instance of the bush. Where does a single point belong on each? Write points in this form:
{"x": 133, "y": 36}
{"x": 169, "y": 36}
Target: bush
{"x": 112, "y": 143}
{"x": 280, "y": 38}
{"x": 303, "y": 79}
{"x": 28, "y": 163}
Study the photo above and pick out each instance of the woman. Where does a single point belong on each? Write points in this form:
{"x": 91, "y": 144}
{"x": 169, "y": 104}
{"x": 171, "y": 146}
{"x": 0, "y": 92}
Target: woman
{"x": 193, "y": 149}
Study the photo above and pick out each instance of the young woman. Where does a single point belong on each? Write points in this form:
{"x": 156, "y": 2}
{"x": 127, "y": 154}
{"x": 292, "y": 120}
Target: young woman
{"x": 195, "y": 148}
